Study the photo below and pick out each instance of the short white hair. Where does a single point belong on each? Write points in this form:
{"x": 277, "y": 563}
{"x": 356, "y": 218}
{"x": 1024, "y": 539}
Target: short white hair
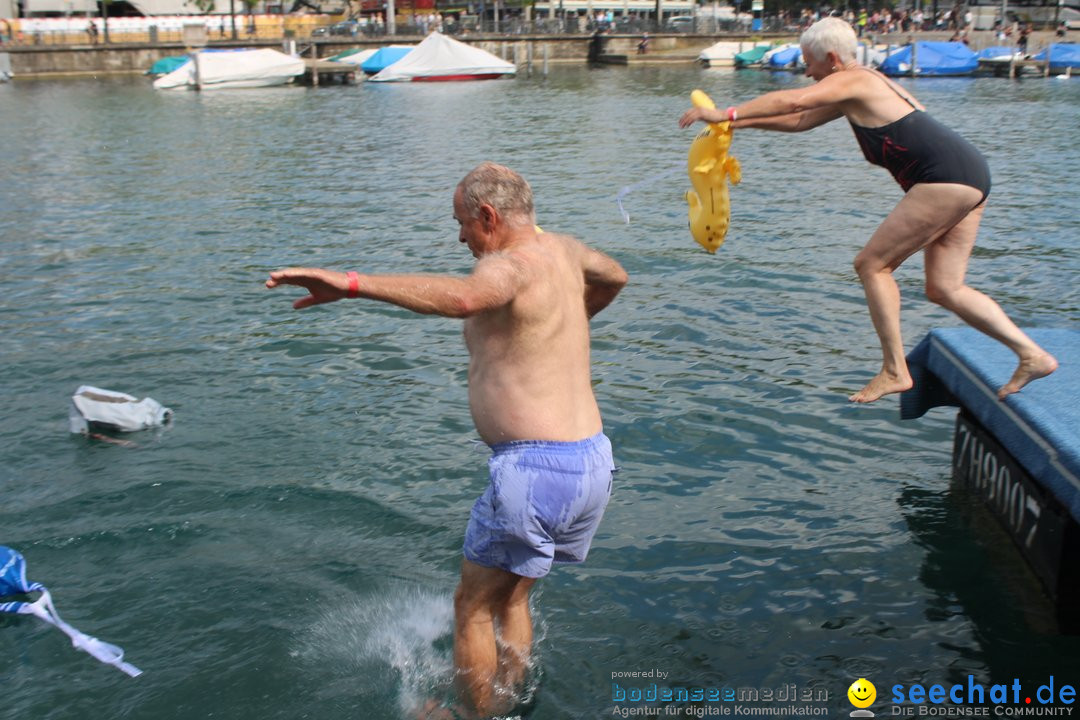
{"x": 831, "y": 34}
{"x": 501, "y": 188}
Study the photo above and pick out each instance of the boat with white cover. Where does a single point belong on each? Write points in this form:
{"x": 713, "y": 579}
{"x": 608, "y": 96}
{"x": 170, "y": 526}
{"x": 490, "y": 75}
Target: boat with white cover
{"x": 241, "y": 68}
{"x": 440, "y": 58}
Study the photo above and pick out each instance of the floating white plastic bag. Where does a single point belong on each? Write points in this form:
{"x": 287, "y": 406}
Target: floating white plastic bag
{"x": 96, "y": 409}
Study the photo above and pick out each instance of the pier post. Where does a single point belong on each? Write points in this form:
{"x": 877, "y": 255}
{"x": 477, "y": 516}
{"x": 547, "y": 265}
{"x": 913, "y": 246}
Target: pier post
{"x": 545, "y": 59}
{"x": 314, "y": 65}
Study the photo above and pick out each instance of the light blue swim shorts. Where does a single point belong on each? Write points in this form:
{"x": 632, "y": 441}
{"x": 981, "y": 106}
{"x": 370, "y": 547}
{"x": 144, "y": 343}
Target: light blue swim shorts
{"x": 543, "y": 504}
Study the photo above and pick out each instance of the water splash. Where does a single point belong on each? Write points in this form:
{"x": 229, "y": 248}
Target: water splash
{"x": 398, "y": 638}
{"x": 398, "y": 644}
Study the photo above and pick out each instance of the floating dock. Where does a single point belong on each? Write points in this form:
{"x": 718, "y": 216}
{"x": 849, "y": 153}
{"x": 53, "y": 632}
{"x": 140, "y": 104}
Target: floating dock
{"x": 322, "y": 72}
{"x": 1020, "y": 455}
{"x": 1014, "y": 66}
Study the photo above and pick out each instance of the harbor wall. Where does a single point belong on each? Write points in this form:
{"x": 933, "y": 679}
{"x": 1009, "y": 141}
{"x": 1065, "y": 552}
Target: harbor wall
{"x": 129, "y": 58}
{"x": 100, "y": 59}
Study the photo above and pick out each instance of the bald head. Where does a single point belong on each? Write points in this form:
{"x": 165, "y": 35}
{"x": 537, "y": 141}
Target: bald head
{"x": 501, "y": 188}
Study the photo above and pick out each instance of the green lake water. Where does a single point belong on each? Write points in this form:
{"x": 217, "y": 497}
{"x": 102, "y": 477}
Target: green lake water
{"x": 289, "y": 546}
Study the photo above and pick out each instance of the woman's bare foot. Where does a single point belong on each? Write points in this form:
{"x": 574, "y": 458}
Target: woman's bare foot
{"x": 1029, "y": 369}
{"x": 884, "y": 383}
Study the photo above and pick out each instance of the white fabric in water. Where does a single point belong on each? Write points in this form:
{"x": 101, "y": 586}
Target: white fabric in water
{"x": 103, "y": 651}
{"x": 111, "y": 410}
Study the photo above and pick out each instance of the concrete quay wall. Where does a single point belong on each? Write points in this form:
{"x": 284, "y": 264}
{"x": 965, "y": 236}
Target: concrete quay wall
{"x": 29, "y": 61}
{"x": 127, "y": 58}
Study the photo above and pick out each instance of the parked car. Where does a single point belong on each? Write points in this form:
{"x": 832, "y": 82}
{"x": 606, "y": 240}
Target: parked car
{"x": 631, "y": 24}
{"x": 345, "y": 27}
{"x": 680, "y": 24}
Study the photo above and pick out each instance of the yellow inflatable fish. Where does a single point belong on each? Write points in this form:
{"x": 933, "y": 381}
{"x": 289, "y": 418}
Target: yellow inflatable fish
{"x": 710, "y": 169}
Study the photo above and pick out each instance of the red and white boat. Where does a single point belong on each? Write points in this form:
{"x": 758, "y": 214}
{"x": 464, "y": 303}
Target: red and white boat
{"x": 440, "y": 58}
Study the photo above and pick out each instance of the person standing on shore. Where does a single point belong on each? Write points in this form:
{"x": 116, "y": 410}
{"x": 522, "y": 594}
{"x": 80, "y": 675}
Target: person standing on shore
{"x": 945, "y": 181}
{"x": 1022, "y": 39}
{"x": 526, "y": 308}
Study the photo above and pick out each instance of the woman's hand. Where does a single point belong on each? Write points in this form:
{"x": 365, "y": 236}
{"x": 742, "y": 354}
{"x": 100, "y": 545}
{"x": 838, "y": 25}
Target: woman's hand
{"x": 709, "y": 115}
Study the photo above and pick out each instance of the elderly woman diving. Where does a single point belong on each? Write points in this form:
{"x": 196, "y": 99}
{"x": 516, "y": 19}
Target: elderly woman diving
{"x": 945, "y": 182}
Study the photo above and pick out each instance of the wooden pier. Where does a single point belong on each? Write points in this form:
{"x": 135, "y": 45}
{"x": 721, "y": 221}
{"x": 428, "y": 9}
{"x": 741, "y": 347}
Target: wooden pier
{"x": 321, "y": 72}
{"x": 1014, "y": 67}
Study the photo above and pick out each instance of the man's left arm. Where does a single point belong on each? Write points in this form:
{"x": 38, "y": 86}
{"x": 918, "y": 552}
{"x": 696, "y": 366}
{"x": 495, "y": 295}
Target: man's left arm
{"x": 604, "y": 278}
{"x": 493, "y": 282}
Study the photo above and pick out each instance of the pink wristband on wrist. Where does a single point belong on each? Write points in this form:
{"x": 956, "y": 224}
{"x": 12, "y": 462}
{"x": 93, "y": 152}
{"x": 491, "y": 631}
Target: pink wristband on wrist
{"x": 732, "y": 116}
{"x": 354, "y": 284}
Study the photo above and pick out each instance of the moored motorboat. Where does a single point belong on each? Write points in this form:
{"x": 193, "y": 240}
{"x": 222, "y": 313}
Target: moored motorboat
{"x": 724, "y": 53}
{"x": 355, "y": 56}
{"x": 440, "y": 58}
{"x": 226, "y": 69}
{"x": 384, "y": 57}
{"x": 785, "y": 57}
{"x": 871, "y": 55}
{"x": 751, "y": 57}
{"x": 931, "y": 59}
{"x": 1063, "y": 57}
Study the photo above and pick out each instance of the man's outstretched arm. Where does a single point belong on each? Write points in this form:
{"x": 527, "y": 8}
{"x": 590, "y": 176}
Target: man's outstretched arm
{"x": 604, "y": 278}
{"x": 493, "y": 283}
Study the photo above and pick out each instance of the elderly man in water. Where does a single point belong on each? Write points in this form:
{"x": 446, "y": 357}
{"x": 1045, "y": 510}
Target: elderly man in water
{"x": 526, "y": 307}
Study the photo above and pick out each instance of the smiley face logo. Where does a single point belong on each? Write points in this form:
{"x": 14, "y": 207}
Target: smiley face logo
{"x": 862, "y": 693}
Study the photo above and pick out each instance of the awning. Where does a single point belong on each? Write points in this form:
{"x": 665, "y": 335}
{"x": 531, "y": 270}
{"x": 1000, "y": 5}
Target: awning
{"x": 66, "y": 7}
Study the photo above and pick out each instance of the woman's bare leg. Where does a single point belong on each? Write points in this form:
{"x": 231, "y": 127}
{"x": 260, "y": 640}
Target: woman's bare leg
{"x": 925, "y": 213}
{"x": 946, "y": 265}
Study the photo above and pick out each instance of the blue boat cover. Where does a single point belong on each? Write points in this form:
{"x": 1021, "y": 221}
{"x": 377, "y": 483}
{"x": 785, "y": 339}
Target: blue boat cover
{"x": 1062, "y": 55}
{"x": 786, "y": 57}
{"x": 167, "y": 64}
{"x": 932, "y": 58}
{"x": 751, "y": 56}
{"x": 384, "y": 58}
{"x": 1039, "y": 426}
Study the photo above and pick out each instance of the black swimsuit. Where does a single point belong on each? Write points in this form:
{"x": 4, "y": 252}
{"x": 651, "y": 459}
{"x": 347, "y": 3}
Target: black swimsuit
{"x": 918, "y": 149}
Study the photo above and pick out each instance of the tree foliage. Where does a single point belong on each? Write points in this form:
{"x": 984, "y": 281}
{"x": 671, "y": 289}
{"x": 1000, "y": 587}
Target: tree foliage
{"x": 205, "y": 6}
